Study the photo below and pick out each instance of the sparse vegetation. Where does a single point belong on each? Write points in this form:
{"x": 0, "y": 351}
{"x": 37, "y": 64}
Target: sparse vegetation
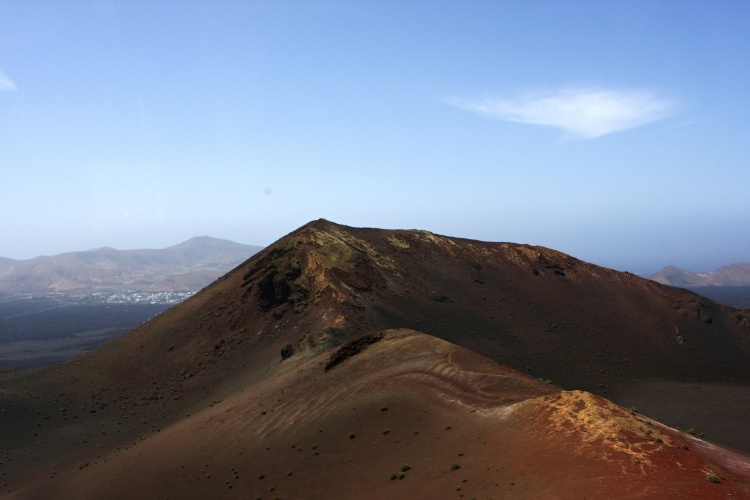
{"x": 286, "y": 400}
{"x": 692, "y": 432}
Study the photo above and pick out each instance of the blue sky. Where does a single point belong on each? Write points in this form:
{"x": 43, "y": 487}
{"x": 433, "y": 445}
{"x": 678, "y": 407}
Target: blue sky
{"x": 612, "y": 131}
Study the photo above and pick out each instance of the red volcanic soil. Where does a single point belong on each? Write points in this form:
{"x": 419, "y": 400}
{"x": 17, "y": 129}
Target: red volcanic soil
{"x": 531, "y": 308}
{"x": 286, "y": 368}
{"x": 407, "y": 416}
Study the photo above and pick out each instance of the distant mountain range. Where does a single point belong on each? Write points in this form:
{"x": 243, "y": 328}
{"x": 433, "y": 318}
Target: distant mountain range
{"x": 188, "y": 266}
{"x": 732, "y": 275}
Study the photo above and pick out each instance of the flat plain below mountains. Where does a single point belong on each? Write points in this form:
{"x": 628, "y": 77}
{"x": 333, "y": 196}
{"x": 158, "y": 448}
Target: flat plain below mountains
{"x": 363, "y": 363}
{"x": 54, "y": 308}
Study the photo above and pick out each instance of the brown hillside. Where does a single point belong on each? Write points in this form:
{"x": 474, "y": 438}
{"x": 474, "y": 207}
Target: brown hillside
{"x": 408, "y": 416}
{"x": 534, "y": 309}
{"x": 186, "y": 386}
{"x": 531, "y": 308}
{"x": 731, "y": 275}
{"x": 188, "y": 266}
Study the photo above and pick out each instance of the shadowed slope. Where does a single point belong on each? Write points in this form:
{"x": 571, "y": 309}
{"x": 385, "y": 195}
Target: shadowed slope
{"x": 537, "y": 310}
{"x": 407, "y": 416}
{"x": 533, "y": 309}
{"x": 529, "y": 307}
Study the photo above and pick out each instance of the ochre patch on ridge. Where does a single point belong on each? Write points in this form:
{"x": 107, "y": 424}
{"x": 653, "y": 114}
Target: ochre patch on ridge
{"x": 599, "y": 424}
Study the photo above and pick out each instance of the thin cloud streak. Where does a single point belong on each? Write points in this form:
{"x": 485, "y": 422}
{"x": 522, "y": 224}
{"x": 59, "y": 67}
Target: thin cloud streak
{"x": 5, "y": 82}
{"x": 581, "y": 113}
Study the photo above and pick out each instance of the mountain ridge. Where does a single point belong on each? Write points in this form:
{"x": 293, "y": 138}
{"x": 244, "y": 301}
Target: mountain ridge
{"x": 187, "y": 266}
{"x": 360, "y": 362}
{"x": 731, "y": 275}
{"x": 325, "y": 284}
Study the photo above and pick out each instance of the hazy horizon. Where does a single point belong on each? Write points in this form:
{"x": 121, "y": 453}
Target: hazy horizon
{"x": 645, "y": 273}
{"x": 611, "y": 131}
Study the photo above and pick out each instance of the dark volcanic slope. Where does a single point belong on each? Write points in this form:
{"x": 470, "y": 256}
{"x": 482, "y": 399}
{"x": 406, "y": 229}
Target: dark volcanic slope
{"x": 544, "y": 313}
{"x": 534, "y": 309}
{"x": 398, "y": 415}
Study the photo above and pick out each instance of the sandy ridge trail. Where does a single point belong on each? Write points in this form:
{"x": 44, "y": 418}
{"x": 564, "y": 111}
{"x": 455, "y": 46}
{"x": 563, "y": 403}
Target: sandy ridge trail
{"x": 363, "y": 363}
{"x": 462, "y": 424}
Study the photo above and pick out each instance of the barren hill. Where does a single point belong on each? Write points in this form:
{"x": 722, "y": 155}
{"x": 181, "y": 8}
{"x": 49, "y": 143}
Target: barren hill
{"x": 731, "y": 275}
{"x": 188, "y": 266}
{"x": 302, "y": 374}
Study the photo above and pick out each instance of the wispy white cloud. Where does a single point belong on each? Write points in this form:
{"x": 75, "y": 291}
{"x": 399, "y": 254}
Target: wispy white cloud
{"x": 584, "y": 113}
{"x": 5, "y": 82}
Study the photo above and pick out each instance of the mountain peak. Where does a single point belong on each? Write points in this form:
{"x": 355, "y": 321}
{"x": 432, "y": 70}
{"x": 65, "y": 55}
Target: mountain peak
{"x": 731, "y": 275}
{"x": 188, "y": 266}
{"x": 362, "y": 339}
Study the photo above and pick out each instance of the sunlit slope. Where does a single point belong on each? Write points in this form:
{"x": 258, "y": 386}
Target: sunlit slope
{"x": 264, "y": 334}
{"x": 402, "y": 414}
{"x": 537, "y": 310}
